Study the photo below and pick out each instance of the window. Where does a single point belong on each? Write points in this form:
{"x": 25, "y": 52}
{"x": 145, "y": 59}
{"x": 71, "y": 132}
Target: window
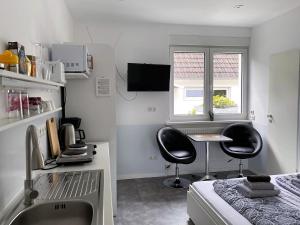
{"x": 208, "y": 80}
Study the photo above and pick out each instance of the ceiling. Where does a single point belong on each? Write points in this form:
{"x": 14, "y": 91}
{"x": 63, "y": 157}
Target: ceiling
{"x": 246, "y": 13}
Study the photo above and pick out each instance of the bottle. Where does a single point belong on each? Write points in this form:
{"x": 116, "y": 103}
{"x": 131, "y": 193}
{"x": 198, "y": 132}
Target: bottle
{"x": 33, "y": 65}
{"x": 28, "y": 66}
{"x": 22, "y": 60}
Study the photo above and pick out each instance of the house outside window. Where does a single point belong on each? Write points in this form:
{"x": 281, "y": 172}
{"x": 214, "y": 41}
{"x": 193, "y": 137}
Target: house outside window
{"x": 193, "y": 94}
{"x": 208, "y": 79}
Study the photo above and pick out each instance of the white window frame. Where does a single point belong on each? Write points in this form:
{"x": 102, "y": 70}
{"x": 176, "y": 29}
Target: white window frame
{"x": 208, "y": 83}
{"x": 191, "y": 49}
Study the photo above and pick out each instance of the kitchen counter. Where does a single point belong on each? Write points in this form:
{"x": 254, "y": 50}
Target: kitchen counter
{"x": 101, "y": 162}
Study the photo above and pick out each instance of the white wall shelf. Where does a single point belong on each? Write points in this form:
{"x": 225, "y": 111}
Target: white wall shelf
{"x": 6, "y": 124}
{"x": 76, "y": 76}
{"x": 14, "y": 79}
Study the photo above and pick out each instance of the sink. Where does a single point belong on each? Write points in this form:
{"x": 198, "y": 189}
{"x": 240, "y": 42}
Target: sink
{"x": 56, "y": 213}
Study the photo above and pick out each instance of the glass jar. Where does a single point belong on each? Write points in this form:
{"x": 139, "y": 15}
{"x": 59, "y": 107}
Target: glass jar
{"x": 35, "y": 105}
{"x": 14, "y": 105}
{"x": 25, "y": 104}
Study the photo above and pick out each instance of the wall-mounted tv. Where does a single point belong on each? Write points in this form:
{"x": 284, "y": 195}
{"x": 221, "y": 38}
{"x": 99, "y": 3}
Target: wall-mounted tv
{"x": 148, "y": 77}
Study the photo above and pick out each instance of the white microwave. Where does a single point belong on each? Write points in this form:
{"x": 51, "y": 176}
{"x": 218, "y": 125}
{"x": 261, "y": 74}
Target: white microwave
{"x": 75, "y": 58}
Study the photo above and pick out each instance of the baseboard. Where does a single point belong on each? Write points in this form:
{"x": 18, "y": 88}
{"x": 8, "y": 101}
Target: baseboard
{"x": 148, "y": 175}
{"x": 141, "y": 175}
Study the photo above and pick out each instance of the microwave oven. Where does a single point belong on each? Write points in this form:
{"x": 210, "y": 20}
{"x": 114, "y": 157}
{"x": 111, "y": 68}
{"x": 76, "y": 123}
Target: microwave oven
{"x": 75, "y": 57}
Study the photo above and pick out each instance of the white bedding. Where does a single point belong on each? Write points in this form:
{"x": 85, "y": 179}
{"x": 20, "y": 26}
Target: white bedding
{"x": 206, "y": 190}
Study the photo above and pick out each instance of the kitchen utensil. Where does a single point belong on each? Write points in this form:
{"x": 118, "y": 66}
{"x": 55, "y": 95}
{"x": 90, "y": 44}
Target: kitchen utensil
{"x": 53, "y": 137}
{"x": 67, "y": 135}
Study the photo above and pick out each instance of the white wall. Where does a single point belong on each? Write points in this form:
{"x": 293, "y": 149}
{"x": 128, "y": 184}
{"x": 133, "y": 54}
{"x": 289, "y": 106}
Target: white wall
{"x": 98, "y": 113}
{"x": 276, "y": 35}
{"x": 136, "y": 126}
{"x": 27, "y": 22}
{"x": 35, "y": 21}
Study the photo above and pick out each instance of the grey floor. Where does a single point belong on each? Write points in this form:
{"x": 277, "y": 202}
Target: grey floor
{"x": 147, "y": 202}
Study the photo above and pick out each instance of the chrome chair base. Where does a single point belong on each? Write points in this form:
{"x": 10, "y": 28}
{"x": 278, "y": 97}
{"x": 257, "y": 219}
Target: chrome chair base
{"x": 177, "y": 183}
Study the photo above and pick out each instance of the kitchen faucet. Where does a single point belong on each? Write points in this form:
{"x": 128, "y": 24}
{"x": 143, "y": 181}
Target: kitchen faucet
{"x": 31, "y": 143}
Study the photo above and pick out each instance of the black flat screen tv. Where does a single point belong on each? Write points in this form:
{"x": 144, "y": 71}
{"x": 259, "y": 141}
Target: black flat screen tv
{"x": 148, "y": 77}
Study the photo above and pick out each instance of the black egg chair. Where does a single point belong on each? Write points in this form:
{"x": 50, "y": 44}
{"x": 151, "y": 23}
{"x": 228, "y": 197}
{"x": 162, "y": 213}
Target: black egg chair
{"x": 246, "y": 142}
{"x": 175, "y": 147}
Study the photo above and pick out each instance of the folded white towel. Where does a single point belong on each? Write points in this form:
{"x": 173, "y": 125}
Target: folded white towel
{"x": 247, "y": 192}
{"x": 259, "y": 185}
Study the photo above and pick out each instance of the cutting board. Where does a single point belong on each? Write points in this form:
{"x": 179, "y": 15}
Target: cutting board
{"x": 53, "y": 137}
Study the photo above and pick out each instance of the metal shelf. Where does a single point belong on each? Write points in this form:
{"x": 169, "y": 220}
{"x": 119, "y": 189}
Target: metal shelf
{"x": 6, "y": 124}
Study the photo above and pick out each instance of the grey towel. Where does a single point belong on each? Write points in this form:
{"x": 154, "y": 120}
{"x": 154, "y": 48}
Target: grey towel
{"x": 296, "y": 182}
{"x": 247, "y": 192}
{"x": 259, "y": 185}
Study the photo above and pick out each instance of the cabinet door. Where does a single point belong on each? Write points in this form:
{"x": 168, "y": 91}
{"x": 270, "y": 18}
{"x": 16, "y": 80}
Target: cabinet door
{"x": 283, "y": 113}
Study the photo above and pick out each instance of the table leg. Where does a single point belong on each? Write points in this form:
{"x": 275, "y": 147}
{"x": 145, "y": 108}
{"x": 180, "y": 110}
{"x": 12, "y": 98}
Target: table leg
{"x": 207, "y": 175}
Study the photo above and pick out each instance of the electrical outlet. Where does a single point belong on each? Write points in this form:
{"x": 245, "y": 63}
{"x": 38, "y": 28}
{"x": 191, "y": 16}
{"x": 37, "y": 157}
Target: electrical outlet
{"x": 151, "y": 109}
{"x": 252, "y": 115}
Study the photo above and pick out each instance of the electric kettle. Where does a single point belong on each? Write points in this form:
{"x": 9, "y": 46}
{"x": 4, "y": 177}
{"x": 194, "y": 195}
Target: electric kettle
{"x": 67, "y": 135}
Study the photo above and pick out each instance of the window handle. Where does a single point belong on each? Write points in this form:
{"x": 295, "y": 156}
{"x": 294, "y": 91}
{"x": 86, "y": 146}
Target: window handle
{"x": 211, "y": 115}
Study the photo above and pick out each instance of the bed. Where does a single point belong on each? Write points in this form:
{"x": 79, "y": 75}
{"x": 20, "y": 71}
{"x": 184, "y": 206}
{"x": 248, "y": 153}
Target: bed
{"x": 206, "y": 207}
